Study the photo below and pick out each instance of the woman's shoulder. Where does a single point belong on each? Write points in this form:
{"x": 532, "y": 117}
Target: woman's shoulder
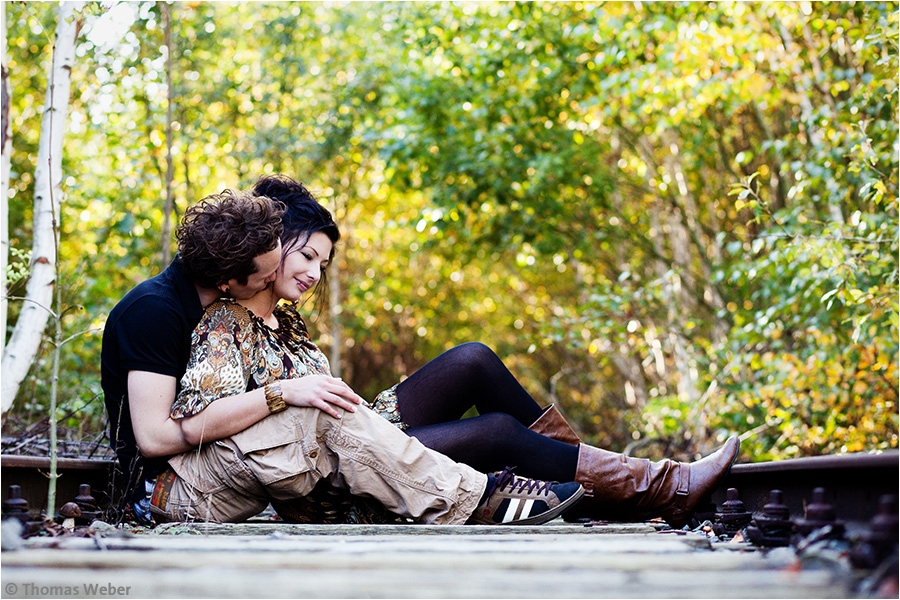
{"x": 228, "y": 310}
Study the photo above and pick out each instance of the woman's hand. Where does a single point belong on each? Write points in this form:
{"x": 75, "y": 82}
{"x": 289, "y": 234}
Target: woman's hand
{"x": 322, "y": 392}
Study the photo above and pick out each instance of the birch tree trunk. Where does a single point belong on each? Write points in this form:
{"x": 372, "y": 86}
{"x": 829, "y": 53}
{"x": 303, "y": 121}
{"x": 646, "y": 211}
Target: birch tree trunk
{"x": 4, "y": 178}
{"x": 22, "y": 348}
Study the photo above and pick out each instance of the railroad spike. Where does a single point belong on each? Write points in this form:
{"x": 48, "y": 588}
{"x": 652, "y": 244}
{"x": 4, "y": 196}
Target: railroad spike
{"x": 733, "y": 516}
{"x": 84, "y": 498}
{"x": 772, "y": 528}
{"x": 819, "y": 514}
{"x": 88, "y": 505}
{"x": 879, "y": 541}
{"x": 15, "y": 506}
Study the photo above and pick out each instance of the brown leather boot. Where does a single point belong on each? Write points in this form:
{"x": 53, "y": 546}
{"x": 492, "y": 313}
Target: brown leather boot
{"x": 619, "y": 487}
{"x": 553, "y": 425}
{"x": 623, "y": 487}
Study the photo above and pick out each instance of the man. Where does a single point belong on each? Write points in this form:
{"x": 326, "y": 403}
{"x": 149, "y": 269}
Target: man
{"x": 229, "y": 244}
{"x": 147, "y": 339}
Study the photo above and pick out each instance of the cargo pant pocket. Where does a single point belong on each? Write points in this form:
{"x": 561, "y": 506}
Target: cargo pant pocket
{"x": 282, "y": 452}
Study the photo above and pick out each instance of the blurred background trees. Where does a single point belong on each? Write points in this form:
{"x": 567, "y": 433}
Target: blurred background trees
{"x": 676, "y": 220}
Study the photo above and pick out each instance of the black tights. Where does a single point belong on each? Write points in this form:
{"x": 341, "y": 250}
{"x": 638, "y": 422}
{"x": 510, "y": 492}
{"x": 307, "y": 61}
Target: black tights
{"x": 434, "y": 398}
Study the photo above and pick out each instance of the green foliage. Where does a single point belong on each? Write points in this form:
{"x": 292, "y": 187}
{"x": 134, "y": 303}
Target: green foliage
{"x": 677, "y": 220}
{"x": 813, "y": 355}
{"x": 18, "y": 268}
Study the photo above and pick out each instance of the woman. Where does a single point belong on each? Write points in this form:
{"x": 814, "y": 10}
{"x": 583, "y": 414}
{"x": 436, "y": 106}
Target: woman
{"x": 268, "y": 423}
{"x": 511, "y": 429}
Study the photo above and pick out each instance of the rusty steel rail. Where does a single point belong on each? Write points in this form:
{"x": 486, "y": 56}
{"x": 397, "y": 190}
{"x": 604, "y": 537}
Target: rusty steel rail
{"x": 853, "y": 483}
{"x": 31, "y": 474}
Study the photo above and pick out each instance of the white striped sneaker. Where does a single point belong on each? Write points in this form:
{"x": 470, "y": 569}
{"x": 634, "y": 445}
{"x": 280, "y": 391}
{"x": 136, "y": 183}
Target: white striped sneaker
{"x": 519, "y": 501}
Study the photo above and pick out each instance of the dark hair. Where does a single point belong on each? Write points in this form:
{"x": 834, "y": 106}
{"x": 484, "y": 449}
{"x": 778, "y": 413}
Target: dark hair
{"x": 219, "y": 237}
{"x": 303, "y": 215}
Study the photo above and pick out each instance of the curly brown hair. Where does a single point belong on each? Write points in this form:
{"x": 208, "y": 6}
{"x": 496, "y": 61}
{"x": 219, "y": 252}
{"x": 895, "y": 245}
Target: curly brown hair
{"x": 219, "y": 237}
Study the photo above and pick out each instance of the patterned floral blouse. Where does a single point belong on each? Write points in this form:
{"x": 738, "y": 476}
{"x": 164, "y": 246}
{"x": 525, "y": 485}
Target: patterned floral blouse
{"x": 234, "y": 351}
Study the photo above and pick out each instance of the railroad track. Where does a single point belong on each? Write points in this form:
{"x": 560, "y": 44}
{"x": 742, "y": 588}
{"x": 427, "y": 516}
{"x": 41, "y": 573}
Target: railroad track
{"x": 631, "y": 559}
{"x": 31, "y": 474}
{"x": 852, "y": 483}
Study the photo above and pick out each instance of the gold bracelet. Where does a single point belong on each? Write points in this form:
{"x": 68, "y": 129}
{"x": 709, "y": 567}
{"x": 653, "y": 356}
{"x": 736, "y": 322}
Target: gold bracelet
{"x": 274, "y": 399}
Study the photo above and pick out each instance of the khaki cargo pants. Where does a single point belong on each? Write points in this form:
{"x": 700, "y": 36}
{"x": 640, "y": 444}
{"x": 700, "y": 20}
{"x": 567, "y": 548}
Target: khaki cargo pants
{"x": 284, "y": 455}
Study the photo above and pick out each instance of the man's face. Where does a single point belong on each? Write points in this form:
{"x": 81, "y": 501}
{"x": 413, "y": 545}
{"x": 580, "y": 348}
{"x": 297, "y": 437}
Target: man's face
{"x": 266, "y": 267}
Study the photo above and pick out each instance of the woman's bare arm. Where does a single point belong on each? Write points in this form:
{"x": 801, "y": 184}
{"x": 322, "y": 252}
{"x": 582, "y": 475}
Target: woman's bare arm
{"x": 233, "y": 414}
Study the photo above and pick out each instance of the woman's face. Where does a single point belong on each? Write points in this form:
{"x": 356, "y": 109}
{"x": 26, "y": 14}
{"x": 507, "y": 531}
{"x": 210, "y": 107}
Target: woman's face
{"x": 302, "y": 267}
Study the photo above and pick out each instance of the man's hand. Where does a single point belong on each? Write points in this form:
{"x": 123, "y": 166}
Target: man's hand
{"x": 320, "y": 391}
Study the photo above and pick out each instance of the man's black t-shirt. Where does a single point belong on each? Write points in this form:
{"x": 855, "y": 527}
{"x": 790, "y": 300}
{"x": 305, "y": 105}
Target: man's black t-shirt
{"x": 148, "y": 330}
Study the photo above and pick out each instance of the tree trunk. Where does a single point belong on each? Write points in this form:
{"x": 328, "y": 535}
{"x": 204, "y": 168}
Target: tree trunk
{"x": 802, "y": 86}
{"x": 169, "y": 207}
{"x": 4, "y": 178}
{"x": 334, "y": 304}
{"x": 334, "y": 291}
{"x": 628, "y": 365}
{"x": 22, "y": 348}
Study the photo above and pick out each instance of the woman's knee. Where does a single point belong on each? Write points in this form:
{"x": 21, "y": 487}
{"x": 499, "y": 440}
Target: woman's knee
{"x": 502, "y": 425}
{"x": 473, "y": 355}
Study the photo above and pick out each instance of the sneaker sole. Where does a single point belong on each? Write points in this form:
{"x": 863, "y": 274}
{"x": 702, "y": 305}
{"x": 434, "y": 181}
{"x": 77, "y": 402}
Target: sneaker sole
{"x": 551, "y": 514}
